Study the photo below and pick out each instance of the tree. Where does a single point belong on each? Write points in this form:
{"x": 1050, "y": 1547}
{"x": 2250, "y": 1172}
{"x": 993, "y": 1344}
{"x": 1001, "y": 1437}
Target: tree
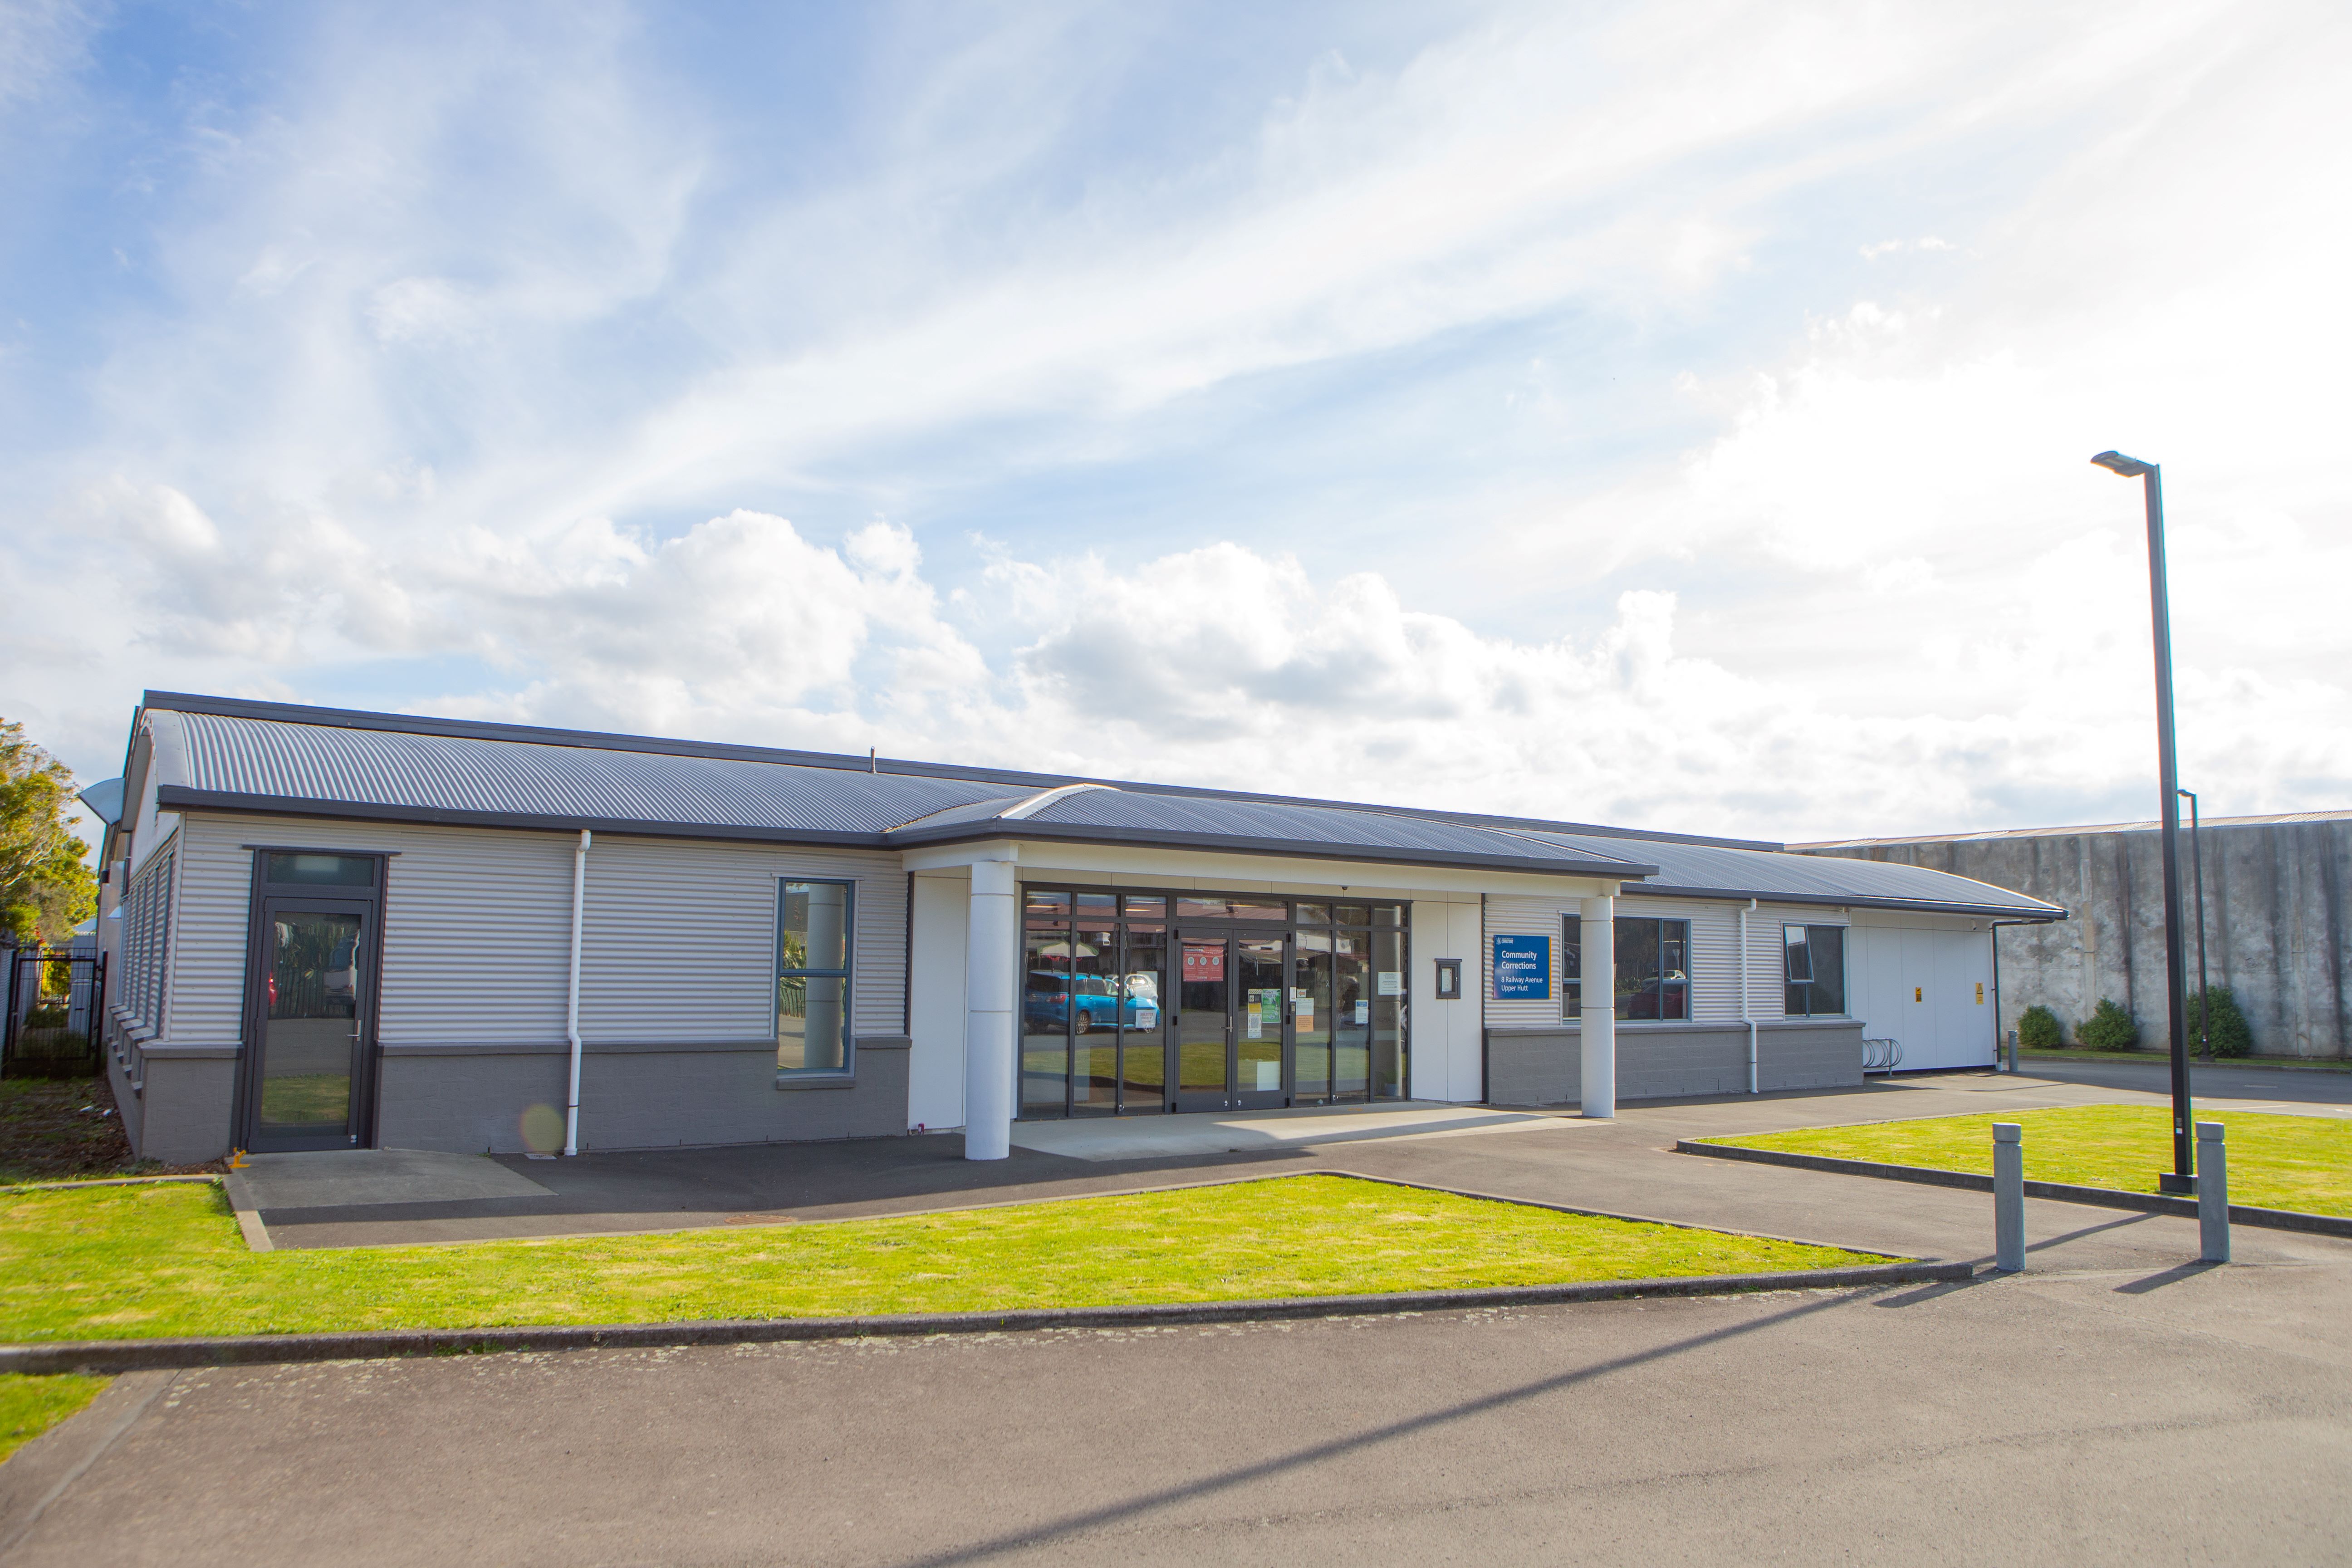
{"x": 46, "y": 889}
{"x": 2226, "y": 1029}
{"x": 2108, "y": 1028}
{"x": 2037, "y": 1029}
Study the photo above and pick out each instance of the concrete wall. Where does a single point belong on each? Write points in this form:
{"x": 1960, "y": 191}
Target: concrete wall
{"x": 1663, "y": 1061}
{"x": 2276, "y": 913}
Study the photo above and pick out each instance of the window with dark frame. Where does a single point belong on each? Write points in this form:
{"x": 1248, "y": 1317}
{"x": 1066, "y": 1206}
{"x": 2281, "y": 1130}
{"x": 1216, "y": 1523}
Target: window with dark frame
{"x": 814, "y": 943}
{"x": 1653, "y": 968}
{"x": 1815, "y": 961}
{"x": 1346, "y": 1008}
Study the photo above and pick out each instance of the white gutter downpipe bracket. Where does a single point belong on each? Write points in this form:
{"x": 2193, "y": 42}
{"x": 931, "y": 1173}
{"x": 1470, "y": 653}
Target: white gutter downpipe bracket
{"x": 572, "y": 994}
{"x": 1746, "y": 1013}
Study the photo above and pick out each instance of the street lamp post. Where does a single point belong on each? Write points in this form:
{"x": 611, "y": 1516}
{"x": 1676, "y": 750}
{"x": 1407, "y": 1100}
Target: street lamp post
{"x": 2204, "y": 980}
{"x": 2182, "y": 1177}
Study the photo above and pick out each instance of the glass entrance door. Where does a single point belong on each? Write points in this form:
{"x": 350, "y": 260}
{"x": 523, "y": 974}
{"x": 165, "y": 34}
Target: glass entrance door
{"x": 1260, "y": 991}
{"x": 317, "y": 993}
{"x": 1233, "y": 1021}
{"x": 1204, "y": 1021}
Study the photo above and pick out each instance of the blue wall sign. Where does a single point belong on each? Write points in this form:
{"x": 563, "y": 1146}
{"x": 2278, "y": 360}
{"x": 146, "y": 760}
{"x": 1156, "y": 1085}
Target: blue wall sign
{"x": 1522, "y": 968}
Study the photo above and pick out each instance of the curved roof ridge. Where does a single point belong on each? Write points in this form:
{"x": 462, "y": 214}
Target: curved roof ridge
{"x": 1038, "y": 801}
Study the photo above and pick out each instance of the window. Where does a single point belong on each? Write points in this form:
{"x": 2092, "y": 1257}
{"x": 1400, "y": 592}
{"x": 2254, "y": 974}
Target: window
{"x": 813, "y": 955}
{"x": 1815, "y": 957}
{"x": 1652, "y": 979}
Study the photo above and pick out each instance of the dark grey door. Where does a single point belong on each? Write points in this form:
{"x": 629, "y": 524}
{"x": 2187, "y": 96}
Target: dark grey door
{"x": 310, "y": 1072}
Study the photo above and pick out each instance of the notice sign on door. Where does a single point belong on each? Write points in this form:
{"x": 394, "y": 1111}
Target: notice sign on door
{"x": 1205, "y": 963}
{"x": 1522, "y": 968}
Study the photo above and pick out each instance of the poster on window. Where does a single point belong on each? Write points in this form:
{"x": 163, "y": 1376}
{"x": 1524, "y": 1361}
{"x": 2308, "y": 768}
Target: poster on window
{"x": 1206, "y": 962}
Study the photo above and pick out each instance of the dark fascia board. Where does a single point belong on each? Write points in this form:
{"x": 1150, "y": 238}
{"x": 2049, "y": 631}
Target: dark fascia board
{"x": 2008, "y": 912}
{"x": 532, "y": 734}
{"x": 178, "y": 797}
{"x": 1063, "y": 832}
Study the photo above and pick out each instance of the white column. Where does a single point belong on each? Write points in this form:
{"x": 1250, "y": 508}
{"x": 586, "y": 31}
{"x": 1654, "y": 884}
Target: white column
{"x": 992, "y": 970}
{"x": 1599, "y": 1019}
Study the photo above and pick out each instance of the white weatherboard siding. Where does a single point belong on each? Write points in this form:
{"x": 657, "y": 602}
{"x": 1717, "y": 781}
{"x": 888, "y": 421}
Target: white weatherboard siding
{"x": 1714, "y": 953}
{"x": 1915, "y": 979}
{"x": 678, "y": 944}
{"x": 1519, "y": 915}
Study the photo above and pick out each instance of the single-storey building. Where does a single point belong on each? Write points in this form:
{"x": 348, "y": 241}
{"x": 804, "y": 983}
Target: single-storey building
{"x": 330, "y": 929}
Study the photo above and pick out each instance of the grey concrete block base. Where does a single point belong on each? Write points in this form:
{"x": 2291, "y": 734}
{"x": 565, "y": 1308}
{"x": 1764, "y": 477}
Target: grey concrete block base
{"x": 1670, "y": 1061}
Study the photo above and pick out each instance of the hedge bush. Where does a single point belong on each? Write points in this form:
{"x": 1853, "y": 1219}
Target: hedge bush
{"x": 2038, "y": 1031}
{"x": 2226, "y": 1029}
{"x": 2108, "y": 1028}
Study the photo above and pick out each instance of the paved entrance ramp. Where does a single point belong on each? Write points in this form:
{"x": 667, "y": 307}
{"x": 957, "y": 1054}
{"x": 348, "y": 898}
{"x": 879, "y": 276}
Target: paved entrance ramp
{"x": 1245, "y": 1132}
{"x": 337, "y": 1178}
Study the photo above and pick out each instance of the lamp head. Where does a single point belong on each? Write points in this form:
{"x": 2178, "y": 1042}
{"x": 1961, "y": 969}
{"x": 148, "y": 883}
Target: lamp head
{"x": 2129, "y": 468}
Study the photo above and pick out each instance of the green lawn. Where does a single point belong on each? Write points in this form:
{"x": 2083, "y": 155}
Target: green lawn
{"x": 31, "y": 1405}
{"x": 2276, "y": 1162}
{"x": 139, "y": 1261}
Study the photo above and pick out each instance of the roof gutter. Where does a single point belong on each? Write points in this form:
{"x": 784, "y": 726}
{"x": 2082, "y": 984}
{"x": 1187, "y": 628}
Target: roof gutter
{"x": 1288, "y": 848}
{"x": 2009, "y": 912}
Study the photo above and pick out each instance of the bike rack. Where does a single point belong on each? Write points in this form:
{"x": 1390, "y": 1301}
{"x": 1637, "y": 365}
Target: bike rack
{"x": 1881, "y": 1056}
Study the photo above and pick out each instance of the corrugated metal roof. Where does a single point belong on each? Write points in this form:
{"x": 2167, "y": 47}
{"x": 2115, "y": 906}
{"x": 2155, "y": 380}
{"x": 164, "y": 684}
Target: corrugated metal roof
{"x": 277, "y": 756}
{"x": 1126, "y": 810}
{"x": 465, "y": 777}
{"x": 1818, "y": 878}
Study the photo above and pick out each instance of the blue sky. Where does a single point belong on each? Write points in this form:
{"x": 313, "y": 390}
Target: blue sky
{"x": 1672, "y": 414}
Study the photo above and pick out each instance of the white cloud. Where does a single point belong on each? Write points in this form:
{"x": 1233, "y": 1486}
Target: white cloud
{"x": 485, "y": 362}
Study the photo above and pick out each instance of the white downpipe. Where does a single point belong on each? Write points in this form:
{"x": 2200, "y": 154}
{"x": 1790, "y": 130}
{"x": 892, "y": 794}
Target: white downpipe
{"x": 1747, "y": 1014}
{"x": 572, "y": 995}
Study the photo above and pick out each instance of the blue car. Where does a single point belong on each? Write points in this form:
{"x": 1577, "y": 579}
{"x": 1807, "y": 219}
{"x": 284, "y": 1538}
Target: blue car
{"x": 1048, "y": 1000}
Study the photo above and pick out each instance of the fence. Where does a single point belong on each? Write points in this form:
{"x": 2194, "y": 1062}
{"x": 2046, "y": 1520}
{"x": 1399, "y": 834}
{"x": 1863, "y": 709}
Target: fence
{"x": 54, "y": 996}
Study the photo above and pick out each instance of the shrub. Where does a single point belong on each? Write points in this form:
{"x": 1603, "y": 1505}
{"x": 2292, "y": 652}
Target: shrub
{"x": 2226, "y": 1029}
{"x": 2108, "y": 1028}
{"x": 2037, "y": 1029}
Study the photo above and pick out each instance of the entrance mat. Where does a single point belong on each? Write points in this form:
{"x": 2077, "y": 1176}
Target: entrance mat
{"x": 2058, "y": 1192}
{"x": 131, "y": 1355}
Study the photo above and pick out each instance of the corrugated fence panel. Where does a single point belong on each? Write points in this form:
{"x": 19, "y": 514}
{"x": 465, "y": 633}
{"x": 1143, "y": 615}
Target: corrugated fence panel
{"x": 680, "y": 941}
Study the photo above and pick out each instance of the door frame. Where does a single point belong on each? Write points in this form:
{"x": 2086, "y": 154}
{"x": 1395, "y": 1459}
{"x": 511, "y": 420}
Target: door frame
{"x": 367, "y": 1069}
{"x": 1232, "y": 1097}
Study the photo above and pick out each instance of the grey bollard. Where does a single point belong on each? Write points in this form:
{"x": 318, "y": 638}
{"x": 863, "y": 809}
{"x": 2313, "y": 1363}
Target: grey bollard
{"x": 2212, "y": 1194}
{"x": 2009, "y": 1197}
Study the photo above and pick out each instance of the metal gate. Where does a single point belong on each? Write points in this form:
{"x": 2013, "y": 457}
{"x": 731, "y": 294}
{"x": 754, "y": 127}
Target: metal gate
{"x": 53, "y": 1000}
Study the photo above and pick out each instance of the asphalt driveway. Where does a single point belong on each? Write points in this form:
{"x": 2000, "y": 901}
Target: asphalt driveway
{"x": 2065, "y": 1416}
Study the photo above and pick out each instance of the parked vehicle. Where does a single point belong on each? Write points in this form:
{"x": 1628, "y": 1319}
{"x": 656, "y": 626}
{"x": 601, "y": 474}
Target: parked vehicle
{"x": 1048, "y": 999}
